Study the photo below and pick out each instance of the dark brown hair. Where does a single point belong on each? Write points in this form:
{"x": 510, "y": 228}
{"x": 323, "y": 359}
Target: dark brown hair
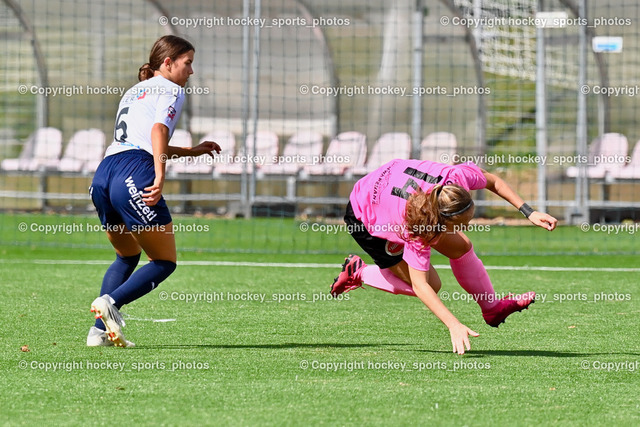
{"x": 427, "y": 213}
{"x": 165, "y": 47}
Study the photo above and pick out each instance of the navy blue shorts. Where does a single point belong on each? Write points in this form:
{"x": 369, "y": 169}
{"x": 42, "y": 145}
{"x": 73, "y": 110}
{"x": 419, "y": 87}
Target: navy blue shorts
{"x": 116, "y": 192}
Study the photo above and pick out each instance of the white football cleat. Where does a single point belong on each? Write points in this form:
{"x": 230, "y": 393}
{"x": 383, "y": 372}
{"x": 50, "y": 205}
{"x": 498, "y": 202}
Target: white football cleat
{"x": 112, "y": 319}
{"x": 98, "y": 338}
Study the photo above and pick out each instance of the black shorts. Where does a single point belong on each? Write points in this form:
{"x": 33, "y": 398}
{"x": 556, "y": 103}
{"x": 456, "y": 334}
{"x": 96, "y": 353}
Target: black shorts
{"x": 384, "y": 253}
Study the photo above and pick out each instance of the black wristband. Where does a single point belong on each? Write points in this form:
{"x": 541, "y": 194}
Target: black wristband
{"x": 526, "y": 210}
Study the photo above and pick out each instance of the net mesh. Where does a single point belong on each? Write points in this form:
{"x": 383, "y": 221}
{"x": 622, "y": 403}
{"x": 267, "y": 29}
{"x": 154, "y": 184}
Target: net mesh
{"x": 316, "y": 87}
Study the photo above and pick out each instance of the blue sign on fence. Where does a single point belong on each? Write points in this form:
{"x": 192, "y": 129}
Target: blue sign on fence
{"x": 607, "y": 44}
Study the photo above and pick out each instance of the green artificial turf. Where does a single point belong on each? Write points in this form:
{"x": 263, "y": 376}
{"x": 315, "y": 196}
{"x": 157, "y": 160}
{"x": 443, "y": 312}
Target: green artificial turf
{"x": 262, "y": 344}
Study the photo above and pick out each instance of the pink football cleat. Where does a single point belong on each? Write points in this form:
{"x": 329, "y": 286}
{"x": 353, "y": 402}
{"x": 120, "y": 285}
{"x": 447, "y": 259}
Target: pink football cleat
{"x": 506, "y": 306}
{"x": 350, "y": 276}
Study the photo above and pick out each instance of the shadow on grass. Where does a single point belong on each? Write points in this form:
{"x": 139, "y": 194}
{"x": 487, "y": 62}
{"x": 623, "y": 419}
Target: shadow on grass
{"x": 263, "y": 346}
{"x": 471, "y": 353}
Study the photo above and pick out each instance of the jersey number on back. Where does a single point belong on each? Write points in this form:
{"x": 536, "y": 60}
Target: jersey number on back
{"x": 121, "y": 125}
{"x": 402, "y": 192}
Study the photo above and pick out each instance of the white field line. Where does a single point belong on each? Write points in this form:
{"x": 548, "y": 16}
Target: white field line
{"x": 316, "y": 265}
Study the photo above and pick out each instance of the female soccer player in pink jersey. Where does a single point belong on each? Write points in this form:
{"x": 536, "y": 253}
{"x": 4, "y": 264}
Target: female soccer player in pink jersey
{"x": 400, "y": 211}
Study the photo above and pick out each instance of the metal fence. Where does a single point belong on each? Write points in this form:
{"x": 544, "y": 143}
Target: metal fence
{"x": 545, "y": 93}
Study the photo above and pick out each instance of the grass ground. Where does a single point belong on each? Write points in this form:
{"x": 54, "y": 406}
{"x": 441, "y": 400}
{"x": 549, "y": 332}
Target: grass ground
{"x": 290, "y": 355}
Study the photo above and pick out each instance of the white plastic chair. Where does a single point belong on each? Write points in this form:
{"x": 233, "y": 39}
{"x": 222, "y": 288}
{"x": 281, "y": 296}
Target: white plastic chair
{"x": 439, "y": 147}
{"x": 303, "y": 148}
{"x": 607, "y": 154}
{"x": 346, "y": 150}
{"x": 266, "y": 143}
{"x": 201, "y": 164}
{"x": 631, "y": 170}
{"x": 84, "y": 152}
{"x": 393, "y": 145}
{"x": 40, "y": 149}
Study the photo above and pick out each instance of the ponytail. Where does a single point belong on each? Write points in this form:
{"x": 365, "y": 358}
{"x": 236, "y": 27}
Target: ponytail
{"x": 145, "y": 72}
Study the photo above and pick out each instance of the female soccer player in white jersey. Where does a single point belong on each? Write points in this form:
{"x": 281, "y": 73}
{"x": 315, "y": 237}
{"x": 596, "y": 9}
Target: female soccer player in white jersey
{"x": 400, "y": 211}
{"x": 127, "y": 187}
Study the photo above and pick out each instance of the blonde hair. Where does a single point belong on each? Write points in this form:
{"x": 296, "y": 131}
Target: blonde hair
{"x": 427, "y": 213}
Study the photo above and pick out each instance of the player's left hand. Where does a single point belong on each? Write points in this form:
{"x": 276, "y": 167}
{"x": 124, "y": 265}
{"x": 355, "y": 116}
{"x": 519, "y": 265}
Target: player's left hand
{"x": 460, "y": 337}
{"x": 206, "y": 147}
{"x": 543, "y": 220}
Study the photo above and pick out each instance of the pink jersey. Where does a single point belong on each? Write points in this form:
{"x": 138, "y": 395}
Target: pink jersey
{"x": 379, "y": 199}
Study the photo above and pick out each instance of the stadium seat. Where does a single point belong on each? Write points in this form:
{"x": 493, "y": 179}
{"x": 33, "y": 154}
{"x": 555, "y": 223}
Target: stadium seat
{"x": 346, "y": 150}
{"x": 42, "y": 147}
{"x": 83, "y": 153}
{"x": 182, "y": 138}
{"x": 607, "y": 153}
{"x": 224, "y": 138}
{"x": 301, "y": 149}
{"x": 227, "y": 142}
{"x": 439, "y": 147}
{"x": 393, "y": 145}
{"x": 632, "y": 169}
{"x": 266, "y": 150}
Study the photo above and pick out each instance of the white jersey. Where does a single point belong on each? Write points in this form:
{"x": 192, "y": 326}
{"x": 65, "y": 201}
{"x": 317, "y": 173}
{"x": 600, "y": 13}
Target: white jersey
{"x": 156, "y": 100}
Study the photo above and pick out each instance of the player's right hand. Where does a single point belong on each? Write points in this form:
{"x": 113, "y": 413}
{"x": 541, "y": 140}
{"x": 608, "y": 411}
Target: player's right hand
{"x": 153, "y": 193}
{"x": 460, "y": 337}
{"x": 543, "y": 220}
{"x": 206, "y": 147}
